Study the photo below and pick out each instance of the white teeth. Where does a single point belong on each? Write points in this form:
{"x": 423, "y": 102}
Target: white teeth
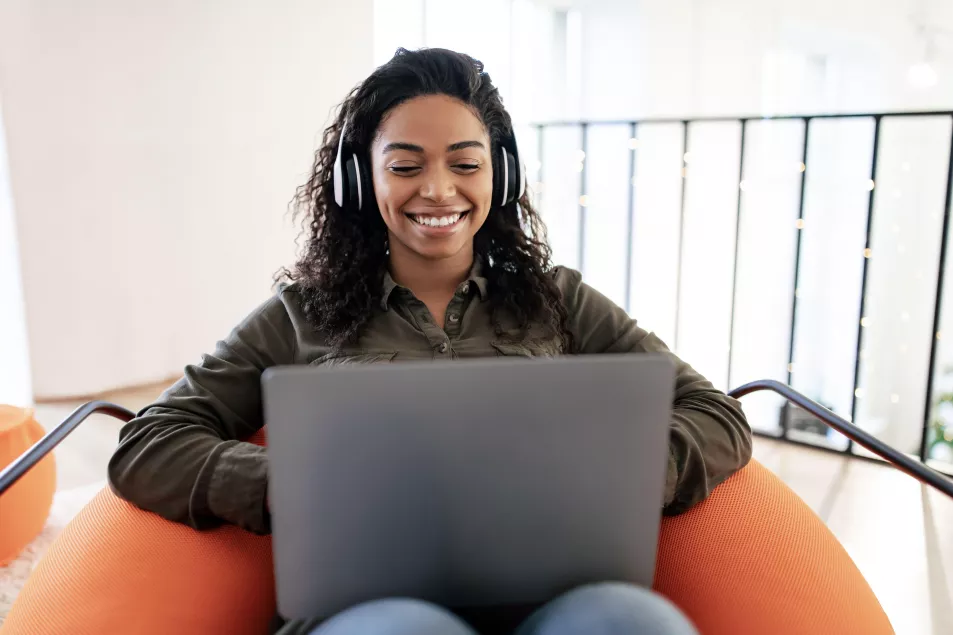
{"x": 432, "y": 221}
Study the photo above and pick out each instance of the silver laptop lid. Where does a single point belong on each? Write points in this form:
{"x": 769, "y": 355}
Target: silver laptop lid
{"x": 487, "y": 482}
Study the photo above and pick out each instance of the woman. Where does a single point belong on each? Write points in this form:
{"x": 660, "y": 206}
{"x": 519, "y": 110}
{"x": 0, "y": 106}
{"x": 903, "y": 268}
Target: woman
{"x": 421, "y": 246}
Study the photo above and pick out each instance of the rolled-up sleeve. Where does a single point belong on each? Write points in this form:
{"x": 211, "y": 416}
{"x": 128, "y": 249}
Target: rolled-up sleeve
{"x": 709, "y": 435}
{"x": 184, "y": 457}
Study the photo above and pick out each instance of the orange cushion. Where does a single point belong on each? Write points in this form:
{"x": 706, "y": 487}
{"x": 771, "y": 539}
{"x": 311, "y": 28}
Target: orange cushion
{"x": 119, "y": 569}
{"x": 25, "y": 506}
{"x": 753, "y": 558}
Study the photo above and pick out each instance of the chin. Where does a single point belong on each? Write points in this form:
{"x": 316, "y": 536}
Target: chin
{"x": 438, "y": 252}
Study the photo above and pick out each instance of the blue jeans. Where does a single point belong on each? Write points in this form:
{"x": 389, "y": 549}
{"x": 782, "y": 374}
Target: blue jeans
{"x": 602, "y": 609}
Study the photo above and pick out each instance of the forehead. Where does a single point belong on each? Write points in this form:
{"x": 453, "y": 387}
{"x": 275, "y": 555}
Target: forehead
{"x": 431, "y": 121}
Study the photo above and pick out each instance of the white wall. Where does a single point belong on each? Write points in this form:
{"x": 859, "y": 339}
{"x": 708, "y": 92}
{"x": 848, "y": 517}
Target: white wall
{"x": 516, "y": 40}
{"x": 705, "y": 57}
{"x": 153, "y": 149}
{"x": 15, "y": 388}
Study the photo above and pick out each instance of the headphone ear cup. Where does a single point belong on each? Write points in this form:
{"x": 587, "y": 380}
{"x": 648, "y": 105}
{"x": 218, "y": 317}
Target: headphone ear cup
{"x": 366, "y": 182}
{"x": 520, "y": 179}
{"x": 339, "y": 173}
{"x": 516, "y": 189}
{"x": 499, "y": 161}
{"x": 352, "y": 193}
{"x": 339, "y": 185}
{"x": 354, "y": 189}
{"x": 510, "y": 174}
{"x": 504, "y": 179}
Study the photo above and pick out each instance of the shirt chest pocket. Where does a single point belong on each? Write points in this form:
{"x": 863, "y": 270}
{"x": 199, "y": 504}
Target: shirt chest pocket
{"x": 346, "y": 358}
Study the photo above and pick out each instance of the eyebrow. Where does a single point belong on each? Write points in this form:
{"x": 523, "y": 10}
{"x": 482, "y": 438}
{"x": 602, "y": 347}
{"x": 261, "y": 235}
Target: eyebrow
{"x": 463, "y": 145}
{"x": 411, "y": 147}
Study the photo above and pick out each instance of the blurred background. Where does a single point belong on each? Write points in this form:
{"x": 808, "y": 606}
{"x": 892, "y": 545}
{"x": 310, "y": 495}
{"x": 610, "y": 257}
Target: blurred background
{"x": 765, "y": 184}
{"x": 149, "y": 153}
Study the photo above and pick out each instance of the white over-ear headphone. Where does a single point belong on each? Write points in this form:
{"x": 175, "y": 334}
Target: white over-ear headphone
{"x": 348, "y": 177}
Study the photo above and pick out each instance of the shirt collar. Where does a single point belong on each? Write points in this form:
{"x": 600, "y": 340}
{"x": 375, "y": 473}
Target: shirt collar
{"x": 475, "y": 277}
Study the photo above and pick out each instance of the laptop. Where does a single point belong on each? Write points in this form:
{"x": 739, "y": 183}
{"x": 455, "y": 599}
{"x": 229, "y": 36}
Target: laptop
{"x": 491, "y": 482}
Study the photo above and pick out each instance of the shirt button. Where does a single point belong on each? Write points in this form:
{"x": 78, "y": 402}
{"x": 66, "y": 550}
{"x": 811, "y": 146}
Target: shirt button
{"x": 454, "y": 318}
{"x": 465, "y": 288}
{"x": 443, "y": 348}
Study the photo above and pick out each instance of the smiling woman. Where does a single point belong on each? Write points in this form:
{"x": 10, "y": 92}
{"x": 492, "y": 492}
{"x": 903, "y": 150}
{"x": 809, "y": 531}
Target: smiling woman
{"x": 430, "y": 137}
{"x": 420, "y": 244}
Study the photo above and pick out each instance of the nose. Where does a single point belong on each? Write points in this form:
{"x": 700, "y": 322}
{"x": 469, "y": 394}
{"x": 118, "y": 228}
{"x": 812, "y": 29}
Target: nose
{"x": 438, "y": 186}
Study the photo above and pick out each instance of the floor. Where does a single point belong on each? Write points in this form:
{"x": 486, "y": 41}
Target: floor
{"x": 899, "y": 533}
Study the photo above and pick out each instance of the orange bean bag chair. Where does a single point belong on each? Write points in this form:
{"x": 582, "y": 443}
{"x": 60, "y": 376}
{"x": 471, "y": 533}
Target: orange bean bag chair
{"x": 25, "y": 507}
{"x": 753, "y": 558}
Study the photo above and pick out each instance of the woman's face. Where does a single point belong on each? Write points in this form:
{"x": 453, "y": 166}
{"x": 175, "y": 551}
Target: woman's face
{"x": 433, "y": 177}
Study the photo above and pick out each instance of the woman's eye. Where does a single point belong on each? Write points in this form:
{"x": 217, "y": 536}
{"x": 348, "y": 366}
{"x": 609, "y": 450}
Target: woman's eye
{"x": 467, "y": 167}
{"x": 404, "y": 170}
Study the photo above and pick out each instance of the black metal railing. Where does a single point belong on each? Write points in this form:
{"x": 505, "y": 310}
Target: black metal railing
{"x": 686, "y": 124}
{"x": 16, "y": 470}
{"x": 898, "y": 459}
{"x": 20, "y": 466}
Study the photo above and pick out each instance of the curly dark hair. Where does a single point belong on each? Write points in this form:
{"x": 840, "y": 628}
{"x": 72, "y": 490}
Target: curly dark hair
{"x": 341, "y": 268}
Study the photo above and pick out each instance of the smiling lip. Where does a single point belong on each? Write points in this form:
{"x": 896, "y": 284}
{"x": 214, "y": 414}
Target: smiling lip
{"x": 438, "y": 222}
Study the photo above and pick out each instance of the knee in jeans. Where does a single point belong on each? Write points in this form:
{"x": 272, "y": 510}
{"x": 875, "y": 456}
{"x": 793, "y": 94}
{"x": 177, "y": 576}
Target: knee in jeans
{"x": 394, "y": 617}
{"x": 612, "y": 607}
{"x": 611, "y": 591}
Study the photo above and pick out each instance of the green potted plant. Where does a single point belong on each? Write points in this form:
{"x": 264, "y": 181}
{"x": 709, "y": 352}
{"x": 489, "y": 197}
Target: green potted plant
{"x": 940, "y": 433}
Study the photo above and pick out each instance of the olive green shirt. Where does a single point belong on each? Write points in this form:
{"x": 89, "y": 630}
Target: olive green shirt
{"x": 185, "y": 458}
